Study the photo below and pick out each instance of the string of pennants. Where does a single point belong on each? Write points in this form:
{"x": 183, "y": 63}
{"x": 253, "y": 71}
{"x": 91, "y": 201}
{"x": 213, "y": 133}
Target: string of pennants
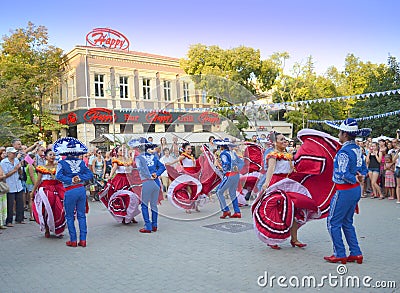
{"x": 377, "y": 116}
{"x": 272, "y": 106}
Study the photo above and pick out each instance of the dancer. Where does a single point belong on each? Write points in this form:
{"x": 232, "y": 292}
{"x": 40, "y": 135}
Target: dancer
{"x": 118, "y": 196}
{"x": 230, "y": 165}
{"x": 150, "y": 168}
{"x": 72, "y": 172}
{"x": 280, "y": 165}
{"x": 349, "y": 172}
{"x": 191, "y": 186}
{"x": 186, "y": 159}
{"x": 48, "y": 198}
{"x": 188, "y": 164}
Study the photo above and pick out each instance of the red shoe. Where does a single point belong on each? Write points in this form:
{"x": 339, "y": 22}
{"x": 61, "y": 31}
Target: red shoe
{"x": 298, "y": 244}
{"x": 225, "y": 214}
{"x": 335, "y": 259}
{"x": 275, "y": 246}
{"x": 71, "y": 243}
{"x": 154, "y": 229}
{"x": 143, "y": 230}
{"x": 355, "y": 258}
{"x": 82, "y": 243}
{"x": 236, "y": 215}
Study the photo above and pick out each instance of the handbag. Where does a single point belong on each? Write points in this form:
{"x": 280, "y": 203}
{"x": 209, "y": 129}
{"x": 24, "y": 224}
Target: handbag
{"x": 4, "y": 188}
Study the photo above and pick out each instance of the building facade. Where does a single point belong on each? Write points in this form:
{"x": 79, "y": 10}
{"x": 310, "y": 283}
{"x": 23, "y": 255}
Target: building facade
{"x": 114, "y": 91}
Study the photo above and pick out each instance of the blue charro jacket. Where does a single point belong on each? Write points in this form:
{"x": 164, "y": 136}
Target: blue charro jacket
{"x": 348, "y": 161}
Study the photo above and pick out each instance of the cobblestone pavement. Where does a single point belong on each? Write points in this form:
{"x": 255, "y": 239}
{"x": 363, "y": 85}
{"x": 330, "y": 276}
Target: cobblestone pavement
{"x": 188, "y": 255}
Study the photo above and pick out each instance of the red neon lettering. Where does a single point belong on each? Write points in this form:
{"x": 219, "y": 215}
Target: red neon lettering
{"x": 160, "y": 117}
{"x": 209, "y": 117}
{"x": 99, "y": 115}
{"x": 131, "y": 118}
{"x": 112, "y": 39}
{"x": 186, "y": 118}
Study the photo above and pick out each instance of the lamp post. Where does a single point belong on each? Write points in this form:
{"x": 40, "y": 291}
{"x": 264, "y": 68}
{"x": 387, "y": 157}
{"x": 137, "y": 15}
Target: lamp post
{"x": 112, "y": 92}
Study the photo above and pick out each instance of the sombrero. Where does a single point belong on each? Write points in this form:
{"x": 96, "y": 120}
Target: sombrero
{"x": 69, "y": 146}
{"x": 351, "y": 127}
{"x": 224, "y": 141}
{"x": 141, "y": 141}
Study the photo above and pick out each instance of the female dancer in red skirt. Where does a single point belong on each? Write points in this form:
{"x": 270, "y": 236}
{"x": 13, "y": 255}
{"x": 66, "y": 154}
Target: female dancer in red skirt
{"x": 280, "y": 165}
{"x": 118, "y": 197}
{"x": 48, "y": 208}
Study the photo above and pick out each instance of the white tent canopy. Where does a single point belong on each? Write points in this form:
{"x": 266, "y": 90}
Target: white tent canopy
{"x": 376, "y": 139}
{"x": 195, "y": 138}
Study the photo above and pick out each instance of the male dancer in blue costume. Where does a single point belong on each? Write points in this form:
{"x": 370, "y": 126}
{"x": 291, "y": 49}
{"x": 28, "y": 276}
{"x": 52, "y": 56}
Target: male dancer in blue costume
{"x": 231, "y": 164}
{"x": 150, "y": 169}
{"x": 72, "y": 172}
{"x": 349, "y": 171}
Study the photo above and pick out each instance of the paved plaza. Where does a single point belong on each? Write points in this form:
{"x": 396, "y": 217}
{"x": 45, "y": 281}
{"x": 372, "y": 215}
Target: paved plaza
{"x": 196, "y": 252}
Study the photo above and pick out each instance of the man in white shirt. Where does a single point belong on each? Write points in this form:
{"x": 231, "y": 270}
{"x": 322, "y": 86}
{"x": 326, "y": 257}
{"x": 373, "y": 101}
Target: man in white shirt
{"x": 11, "y": 167}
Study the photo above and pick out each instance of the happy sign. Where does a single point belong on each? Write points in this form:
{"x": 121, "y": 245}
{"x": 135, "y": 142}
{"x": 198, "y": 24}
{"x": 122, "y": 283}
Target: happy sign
{"x": 107, "y": 38}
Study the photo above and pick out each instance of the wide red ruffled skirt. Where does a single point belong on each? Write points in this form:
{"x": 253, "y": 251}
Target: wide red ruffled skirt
{"x": 121, "y": 197}
{"x": 48, "y": 207}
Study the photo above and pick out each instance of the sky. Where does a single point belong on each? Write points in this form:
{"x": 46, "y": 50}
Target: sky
{"x": 324, "y": 29}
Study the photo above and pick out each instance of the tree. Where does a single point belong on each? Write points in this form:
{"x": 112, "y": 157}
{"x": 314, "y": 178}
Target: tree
{"x": 302, "y": 86}
{"x": 230, "y": 77}
{"x": 29, "y": 77}
{"x": 380, "y": 78}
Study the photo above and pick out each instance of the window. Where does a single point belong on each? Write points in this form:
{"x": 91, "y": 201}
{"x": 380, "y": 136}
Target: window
{"x": 100, "y": 129}
{"x": 149, "y": 128}
{"x": 123, "y": 87}
{"x": 167, "y": 90}
{"x": 169, "y": 128}
{"x": 126, "y": 128}
{"x": 99, "y": 85}
{"x": 185, "y": 92}
{"x": 146, "y": 89}
{"x": 206, "y": 128}
{"x": 189, "y": 128}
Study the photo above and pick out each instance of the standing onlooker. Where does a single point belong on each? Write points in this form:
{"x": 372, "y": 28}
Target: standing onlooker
{"x": 174, "y": 150}
{"x": 108, "y": 161}
{"x": 166, "y": 158}
{"x": 390, "y": 182}
{"x": 373, "y": 159}
{"x": 3, "y": 203}
{"x": 396, "y": 159}
{"x": 40, "y": 157}
{"x": 11, "y": 167}
{"x": 92, "y": 156}
{"x": 162, "y": 146}
{"x": 211, "y": 145}
{"x": 31, "y": 178}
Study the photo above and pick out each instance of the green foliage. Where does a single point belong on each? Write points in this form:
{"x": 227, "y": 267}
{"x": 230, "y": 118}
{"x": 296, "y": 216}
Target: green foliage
{"x": 10, "y": 129}
{"x": 230, "y": 77}
{"x": 29, "y": 77}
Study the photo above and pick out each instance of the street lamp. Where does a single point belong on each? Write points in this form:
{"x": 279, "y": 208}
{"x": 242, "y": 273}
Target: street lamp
{"x": 112, "y": 88}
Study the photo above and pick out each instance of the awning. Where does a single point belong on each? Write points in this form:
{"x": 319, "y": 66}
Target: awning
{"x": 195, "y": 138}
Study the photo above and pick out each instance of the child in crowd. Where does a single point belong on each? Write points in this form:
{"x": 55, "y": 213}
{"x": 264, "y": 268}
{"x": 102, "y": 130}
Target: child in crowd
{"x": 390, "y": 183}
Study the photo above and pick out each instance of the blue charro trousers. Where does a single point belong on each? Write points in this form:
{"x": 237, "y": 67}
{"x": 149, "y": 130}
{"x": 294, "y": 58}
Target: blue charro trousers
{"x": 231, "y": 183}
{"x": 340, "y": 218}
{"x": 150, "y": 192}
{"x": 76, "y": 199}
